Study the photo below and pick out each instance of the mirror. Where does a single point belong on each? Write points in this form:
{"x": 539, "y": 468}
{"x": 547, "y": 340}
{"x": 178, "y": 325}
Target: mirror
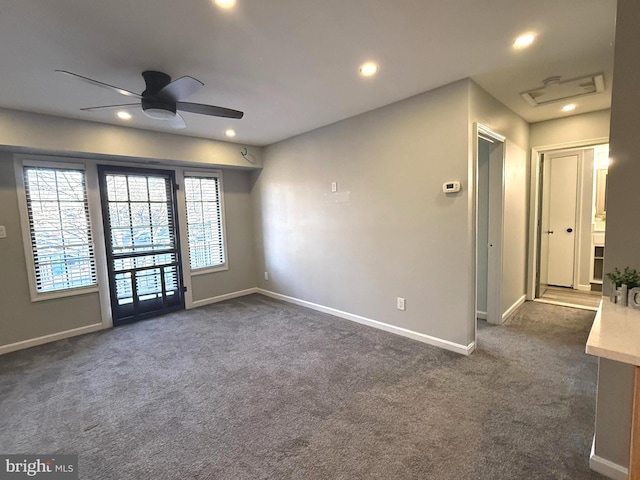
{"x": 601, "y": 194}
{"x": 600, "y": 169}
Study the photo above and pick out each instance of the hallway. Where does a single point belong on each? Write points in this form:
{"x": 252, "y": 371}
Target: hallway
{"x": 571, "y": 297}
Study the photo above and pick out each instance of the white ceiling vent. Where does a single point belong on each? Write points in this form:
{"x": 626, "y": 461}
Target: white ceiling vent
{"x": 555, "y": 90}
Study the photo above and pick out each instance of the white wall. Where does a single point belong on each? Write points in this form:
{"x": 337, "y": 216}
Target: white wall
{"x": 20, "y": 318}
{"x": 516, "y": 204}
{"x": 613, "y": 415}
{"x": 240, "y": 242}
{"x": 623, "y": 228}
{"x": 390, "y": 231}
{"x": 32, "y": 132}
{"x": 488, "y": 111}
{"x": 577, "y": 130}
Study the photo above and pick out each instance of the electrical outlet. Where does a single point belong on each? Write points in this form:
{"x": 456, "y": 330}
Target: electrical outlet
{"x": 400, "y": 303}
{"x": 334, "y": 187}
{"x": 266, "y": 275}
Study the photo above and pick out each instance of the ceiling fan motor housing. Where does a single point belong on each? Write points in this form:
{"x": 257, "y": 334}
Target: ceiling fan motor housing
{"x": 153, "y": 105}
{"x": 155, "y": 81}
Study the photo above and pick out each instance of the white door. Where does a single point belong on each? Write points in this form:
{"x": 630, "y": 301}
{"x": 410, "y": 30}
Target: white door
{"x": 495, "y": 233}
{"x": 562, "y": 184}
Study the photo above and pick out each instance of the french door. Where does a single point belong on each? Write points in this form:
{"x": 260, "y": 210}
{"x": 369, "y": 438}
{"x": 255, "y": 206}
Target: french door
{"x": 142, "y": 242}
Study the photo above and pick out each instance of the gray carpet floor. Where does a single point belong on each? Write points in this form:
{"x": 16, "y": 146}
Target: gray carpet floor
{"x": 254, "y": 388}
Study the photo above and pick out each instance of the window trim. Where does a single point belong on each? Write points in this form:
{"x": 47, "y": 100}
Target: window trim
{"x": 46, "y": 162}
{"x": 206, "y": 174}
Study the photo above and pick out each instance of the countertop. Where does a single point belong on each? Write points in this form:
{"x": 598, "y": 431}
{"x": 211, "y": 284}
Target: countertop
{"x": 615, "y": 333}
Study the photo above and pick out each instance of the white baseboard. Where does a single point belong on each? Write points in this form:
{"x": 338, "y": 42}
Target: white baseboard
{"x": 99, "y": 326}
{"x": 606, "y": 467}
{"x": 514, "y": 307}
{"x": 421, "y": 337}
{"x": 33, "y": 342}
{"x": 481, "y": 315}
{"x": 222, "y": 298}
{"x": 584, "y": 288}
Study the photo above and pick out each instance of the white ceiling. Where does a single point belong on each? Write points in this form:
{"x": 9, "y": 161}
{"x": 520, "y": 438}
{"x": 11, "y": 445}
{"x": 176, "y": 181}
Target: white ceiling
{"x": 292, "y": 65}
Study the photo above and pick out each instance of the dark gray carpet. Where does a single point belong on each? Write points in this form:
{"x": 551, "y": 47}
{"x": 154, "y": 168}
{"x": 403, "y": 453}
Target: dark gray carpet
{"x": 254, "y": 388}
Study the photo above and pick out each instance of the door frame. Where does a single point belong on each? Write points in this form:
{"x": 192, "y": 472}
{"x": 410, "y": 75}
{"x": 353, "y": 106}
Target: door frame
{"x": 535, "y": 196}
{"x": 577, "y": 217}
{"x": 495, "y": 227}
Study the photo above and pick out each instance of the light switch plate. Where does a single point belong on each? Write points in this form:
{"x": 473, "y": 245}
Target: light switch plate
{"x": 3, "y": 231}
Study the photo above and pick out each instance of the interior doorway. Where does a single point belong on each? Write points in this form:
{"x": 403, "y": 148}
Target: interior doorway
{"x": 142, "y": 242}
{"x": 489, "y": 171}
{"x": 568, "y": 231}
{"x": 557, "y": 260}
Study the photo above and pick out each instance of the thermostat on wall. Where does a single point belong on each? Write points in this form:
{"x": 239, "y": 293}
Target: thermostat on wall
{"x": 451, "y": 187}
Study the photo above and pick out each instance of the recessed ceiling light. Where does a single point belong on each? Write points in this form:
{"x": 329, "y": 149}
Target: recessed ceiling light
{"x": 368, "y": 69}
{"x": 230, "y": 133}
{"x": 523, "y": 41}
{"x": 570, "y": 107}
{"x": 124, "y": 115}
{"x": 225, "y": 3}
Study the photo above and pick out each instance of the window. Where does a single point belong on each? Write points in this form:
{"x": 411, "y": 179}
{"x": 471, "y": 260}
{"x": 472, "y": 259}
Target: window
{"x": 204, "y": 220}
{"x": 59, "y": 228}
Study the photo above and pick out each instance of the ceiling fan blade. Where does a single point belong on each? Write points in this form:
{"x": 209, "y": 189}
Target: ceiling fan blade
{"x": 119, "y": 90}
{"x": 177, "y": 122}
{"x": 180, "y": 88}
{"x": 208, "y": 110}
{"x": 106, "y": 107}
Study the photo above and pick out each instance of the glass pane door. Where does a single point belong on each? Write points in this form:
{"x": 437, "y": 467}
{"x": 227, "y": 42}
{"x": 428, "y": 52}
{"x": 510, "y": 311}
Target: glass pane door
{"x": 141, "y": 236}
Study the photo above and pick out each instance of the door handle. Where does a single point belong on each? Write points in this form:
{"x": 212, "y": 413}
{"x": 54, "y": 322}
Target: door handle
{"x": 569, "y": 230}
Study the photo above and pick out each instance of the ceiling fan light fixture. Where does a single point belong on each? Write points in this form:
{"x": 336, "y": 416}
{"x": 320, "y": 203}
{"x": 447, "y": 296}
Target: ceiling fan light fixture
{"x": 159, "y": 113}
{"x": 158, "y": 109}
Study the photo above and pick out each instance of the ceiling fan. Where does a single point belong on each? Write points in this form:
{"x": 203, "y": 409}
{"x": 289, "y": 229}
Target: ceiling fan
{"x": 162, "y": 98}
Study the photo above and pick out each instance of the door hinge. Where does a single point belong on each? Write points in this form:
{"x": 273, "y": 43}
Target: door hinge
{"x": 184, "y": 289}
{"x": 176, "y": 186}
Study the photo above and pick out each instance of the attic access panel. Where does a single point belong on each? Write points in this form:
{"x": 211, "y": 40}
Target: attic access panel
{"x": 555, "y": 90}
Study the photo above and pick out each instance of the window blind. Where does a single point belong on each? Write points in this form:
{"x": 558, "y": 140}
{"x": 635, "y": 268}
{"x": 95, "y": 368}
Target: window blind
{"x": 59, "y": 227}
{"x": 204, "y": 221}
